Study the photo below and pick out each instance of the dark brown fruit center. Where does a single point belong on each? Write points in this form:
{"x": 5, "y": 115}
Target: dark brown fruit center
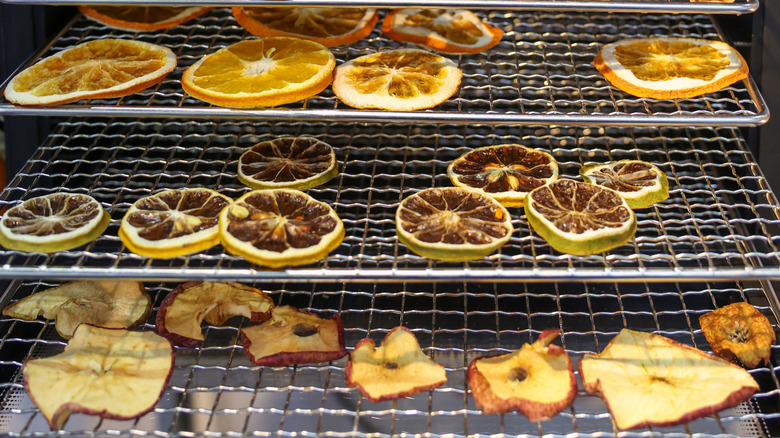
{"x": 303, "y": 330}
{"x": 518, "y": 374}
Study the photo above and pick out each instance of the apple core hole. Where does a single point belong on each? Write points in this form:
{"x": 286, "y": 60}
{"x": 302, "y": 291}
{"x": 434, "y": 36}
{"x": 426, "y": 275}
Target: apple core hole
{"x": 518, "y": 374}
{"x": 391, "y": 365}
{"x": 303, "y": 330}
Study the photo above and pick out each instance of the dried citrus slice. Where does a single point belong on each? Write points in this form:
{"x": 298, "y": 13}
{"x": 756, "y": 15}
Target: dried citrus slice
{"x": 280, "y": 227}
{"x": 670, "y": 68}
{"x": 506, "y": 172}
{"x": 445, "y": 30}
{"x": 327, "y": 26}
{"x": 265, "y": 72}
{"x": 288, "y": 162}
{"x": 131, "y": 17}
{"x": 397, "y": 80}
{"x": 173, "y": 222}
{"x": 452, "y": 224}
{"x": 640, "y": 183}
{"x": 93, "y": 70}
{"x": 580, "y": 218}
{"x": 54, "y": 222}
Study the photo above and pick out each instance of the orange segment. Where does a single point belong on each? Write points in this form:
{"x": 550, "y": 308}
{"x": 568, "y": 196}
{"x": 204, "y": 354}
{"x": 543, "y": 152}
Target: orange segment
{"x": 670, "y": 68}
{"x": 144, "y": 18}
{"x": 265, "y": 72}
{"x": 327, "y": 26}
{"x": 445, "y": 30}
{"x": 96, "y": 69}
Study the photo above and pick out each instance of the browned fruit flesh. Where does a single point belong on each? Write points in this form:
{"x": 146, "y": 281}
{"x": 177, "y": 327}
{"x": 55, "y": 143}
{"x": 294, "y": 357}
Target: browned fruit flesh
{"x": 157, "y": 218}
{"x": 739, "y": 330}
{"x": 504, "y": 169}
{"x": 285, "y": 160}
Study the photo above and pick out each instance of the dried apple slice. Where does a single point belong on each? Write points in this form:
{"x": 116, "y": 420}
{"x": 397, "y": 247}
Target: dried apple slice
{"x": 112, "y": 373}
{"x": 186, "y": 307}
{"x": 292, "y": 336}
{"x": 740, "y": 330}
{"x": 104, "y": 303}
{"x": 395, "y": 369}
{"x": 649, "y": 380}
{"x": 536, "y": 380}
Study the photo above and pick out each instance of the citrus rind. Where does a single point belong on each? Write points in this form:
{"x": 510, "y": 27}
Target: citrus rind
{"x": 262, "y": 72}
{"x": 642, "y": 184}
{"x": 505, "y": 172}
{"x": 315, "y": 24}
{"x": 284, "y": 163}
{"x": 397, "y": 80}
{"x": 734, "y": 67}
{"x": 52, "y": 212}
{"x": 135, "y": 65}
{"x": 452, "y": 213}
{"x": 124, "y": 17}
{"x": 445, "y": 30}
{"x": 268, "y": 220}
{"x": 604, "y": 223}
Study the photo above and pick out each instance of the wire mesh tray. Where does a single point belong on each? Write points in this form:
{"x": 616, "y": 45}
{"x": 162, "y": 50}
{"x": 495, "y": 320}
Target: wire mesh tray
{"x": 540, "y": 73}
{"x": 720, "y": 222}
{"x": 216, "y": 392}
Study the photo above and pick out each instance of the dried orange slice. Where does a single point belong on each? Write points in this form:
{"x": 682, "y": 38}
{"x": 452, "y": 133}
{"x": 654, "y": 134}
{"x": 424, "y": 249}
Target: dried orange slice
{"x": 265, "y": 72}
{"x": 144, "y": 18}
{"x": 327, "y": 26}
{"x": 640, "y": 183}
{"x": 288, "y": 162}
{"x": 506, "y": 172}
{"x": 670, "y": 68}
{"x": 452, "y": 224}
{"x": 445, "y": 30}
{"x": 280, "y": 227}
{"x": 397, "y": 80}
{"x": 580, "y": 218}
{"x": 54, "y": 222}
{"x": 93, "y": 70}
{"x": 172, "y": 223}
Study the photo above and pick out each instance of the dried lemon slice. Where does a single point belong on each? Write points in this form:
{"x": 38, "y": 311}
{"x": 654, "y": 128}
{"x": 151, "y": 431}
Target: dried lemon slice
{"x": 54, "y": 222}
{"x": 172, "y": 223}
{"x": 327, "y": 26}
{"x": 93, "y": 70}
{"x": 265, "y": 72}
{"x": 144, "y": 18}
{"x": 288, "y": 162}
{"x": 506, "y": 172}
{"x": 280, "y": 227}
{"x": 445, "y": 30}
{"x": 397, "y": 80}
{"x": 640, "y": 183}
{"x": 452, "y": 224}
{"x": 670, "y": 68}
{"x": 580, "y": 218}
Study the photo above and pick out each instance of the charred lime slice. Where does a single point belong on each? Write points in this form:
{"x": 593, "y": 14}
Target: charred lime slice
{"x": 280, "y": 227}
{"x": 640, "y": 183}
{"x": 288, "y": 162}
{"x": 452, "y": 224}
{"x": 580, "y": 218}
{"x": 506, "y": 172}
{"x": 54, "y": 222}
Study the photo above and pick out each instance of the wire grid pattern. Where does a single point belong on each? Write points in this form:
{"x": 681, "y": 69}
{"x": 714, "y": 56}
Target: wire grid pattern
{"x": 720, "y": 219}
{"x": 540, "y": 72}
{"x": 215, "y": 391}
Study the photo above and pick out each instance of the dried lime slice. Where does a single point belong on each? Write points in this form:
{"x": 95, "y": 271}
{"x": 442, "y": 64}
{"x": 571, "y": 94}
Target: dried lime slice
{"x": 580, "y": 218}
{"x": 280, "y": 227}
{"x": 640, "y": 183}
{"x": 54, "y": 222}
{"x": 172, "y": 223}
{"x": 506, "y": 172}
{"x": 452, "y": 224}
{"x": 288, "y": 162}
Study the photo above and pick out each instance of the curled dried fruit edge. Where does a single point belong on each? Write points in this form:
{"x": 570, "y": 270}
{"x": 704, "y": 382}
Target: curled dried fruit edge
{"x": 739, "y": 330}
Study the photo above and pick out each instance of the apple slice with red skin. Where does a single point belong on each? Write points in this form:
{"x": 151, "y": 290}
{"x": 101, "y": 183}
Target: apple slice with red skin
{"x": 292, "y": 336}
{"x": 650, "y": 380}
{"x": 537, "y": 380}
{"x": 395, "y": 369}
{"x": 111, "y": 373}
{"x": 104, "y": 303}
{"x": 186, "y": 307}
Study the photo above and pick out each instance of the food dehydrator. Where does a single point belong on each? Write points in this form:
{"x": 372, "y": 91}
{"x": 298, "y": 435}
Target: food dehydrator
{"x": 713, "y": 242}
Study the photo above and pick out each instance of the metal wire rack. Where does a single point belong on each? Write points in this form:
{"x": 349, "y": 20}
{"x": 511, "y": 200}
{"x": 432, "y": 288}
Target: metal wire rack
{"x": 540, "y": 73}
{"x": 720, "y": 222}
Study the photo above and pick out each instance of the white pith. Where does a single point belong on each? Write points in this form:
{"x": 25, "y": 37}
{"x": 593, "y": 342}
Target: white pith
{"x": 82, "y": 230}
{"x": 644, "y": 191}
